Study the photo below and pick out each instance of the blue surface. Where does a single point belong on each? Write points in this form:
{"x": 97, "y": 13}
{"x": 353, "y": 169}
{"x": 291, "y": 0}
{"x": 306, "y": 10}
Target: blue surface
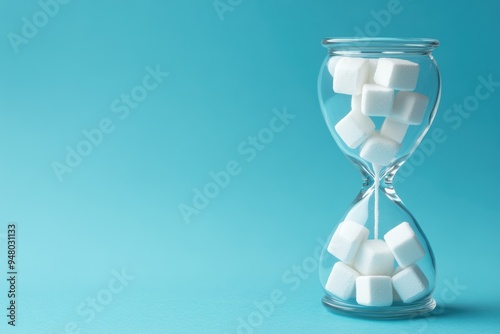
{"x": 119, "y": 207}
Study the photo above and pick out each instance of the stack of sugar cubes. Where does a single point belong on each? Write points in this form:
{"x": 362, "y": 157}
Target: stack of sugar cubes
{"x": 380, "y": 88}
{"x": 367, "y": 271}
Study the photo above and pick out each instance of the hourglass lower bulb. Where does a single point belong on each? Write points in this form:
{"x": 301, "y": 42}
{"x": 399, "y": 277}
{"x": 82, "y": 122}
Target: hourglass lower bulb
{"x": 378, "y": 97}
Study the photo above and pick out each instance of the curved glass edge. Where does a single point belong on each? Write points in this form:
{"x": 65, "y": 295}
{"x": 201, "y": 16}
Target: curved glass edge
{"x": 410, "y": 311}
{"x": 380, "y": 45}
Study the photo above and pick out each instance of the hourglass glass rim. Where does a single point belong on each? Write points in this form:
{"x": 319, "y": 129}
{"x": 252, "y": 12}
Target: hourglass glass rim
{"x": 380, "y": 44}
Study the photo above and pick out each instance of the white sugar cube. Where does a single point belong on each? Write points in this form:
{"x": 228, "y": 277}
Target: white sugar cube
{"x": 332, "y": 62}
{"x": 409, "y": 107}
{"x": 376, "y": 100}
{"x": 356, "y": 102}
{"x": 374, "y": 258}
{"x": 354, "y": 128}
{"x": 379, "y": 150}
{"x": 397, "y": 74}
{"x": 394, "y": 130}
{"x": 404, "y": 245}
{"x": 342, "y": 281}
{"x": 350, "y": 75}
{"x": 374, "y": 290}
{"x": 346, "y": 240}
{"x": 410, "y": 284}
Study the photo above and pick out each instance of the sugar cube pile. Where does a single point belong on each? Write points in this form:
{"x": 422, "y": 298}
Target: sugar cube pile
{"x": 376, "y": 272}
{"x": 381, "y": 87}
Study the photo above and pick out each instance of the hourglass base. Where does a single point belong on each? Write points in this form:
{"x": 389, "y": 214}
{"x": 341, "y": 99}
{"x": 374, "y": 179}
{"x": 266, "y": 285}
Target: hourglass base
{"x": 402, "y": 311}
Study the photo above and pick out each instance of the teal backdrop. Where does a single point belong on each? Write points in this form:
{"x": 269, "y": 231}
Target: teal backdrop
{"x": 168, "y": 168}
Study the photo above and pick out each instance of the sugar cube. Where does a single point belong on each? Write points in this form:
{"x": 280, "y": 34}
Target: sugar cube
{"x": 346, "y": 240}
{"x": 342, "y": 281}
{"x": 374, "y": 258}
{"x": 394, "y": 130}
{"x": 350, "y": 75}
{"x": 379, "y": 150}
{"x": 374, "y": 290}
{"x": 354, "y": 128}
{"x": 397, "y": 74}
{"x": 376, "y": 100}
{"x": 410, "y": 284}
{"x": 409, "y": 107}
{"x": 404, "y": 244}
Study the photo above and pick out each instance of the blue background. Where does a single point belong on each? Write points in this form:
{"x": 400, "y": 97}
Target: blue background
{"x": 119, "y": 208}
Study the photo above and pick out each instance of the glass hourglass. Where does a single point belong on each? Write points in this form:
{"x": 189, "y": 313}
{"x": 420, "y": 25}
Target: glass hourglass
{"x": 379, "y": 97}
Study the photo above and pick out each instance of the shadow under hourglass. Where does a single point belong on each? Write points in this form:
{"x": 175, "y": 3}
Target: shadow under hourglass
{"x": 464, "y": 311}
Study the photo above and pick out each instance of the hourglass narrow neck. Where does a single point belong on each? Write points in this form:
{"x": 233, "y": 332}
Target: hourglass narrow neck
{"x": 385, "y": 180}
{"x": 385, "y": 184}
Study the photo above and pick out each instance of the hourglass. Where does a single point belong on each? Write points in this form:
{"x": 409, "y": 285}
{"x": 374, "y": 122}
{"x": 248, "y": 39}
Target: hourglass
{"x": 379, "y": 97}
